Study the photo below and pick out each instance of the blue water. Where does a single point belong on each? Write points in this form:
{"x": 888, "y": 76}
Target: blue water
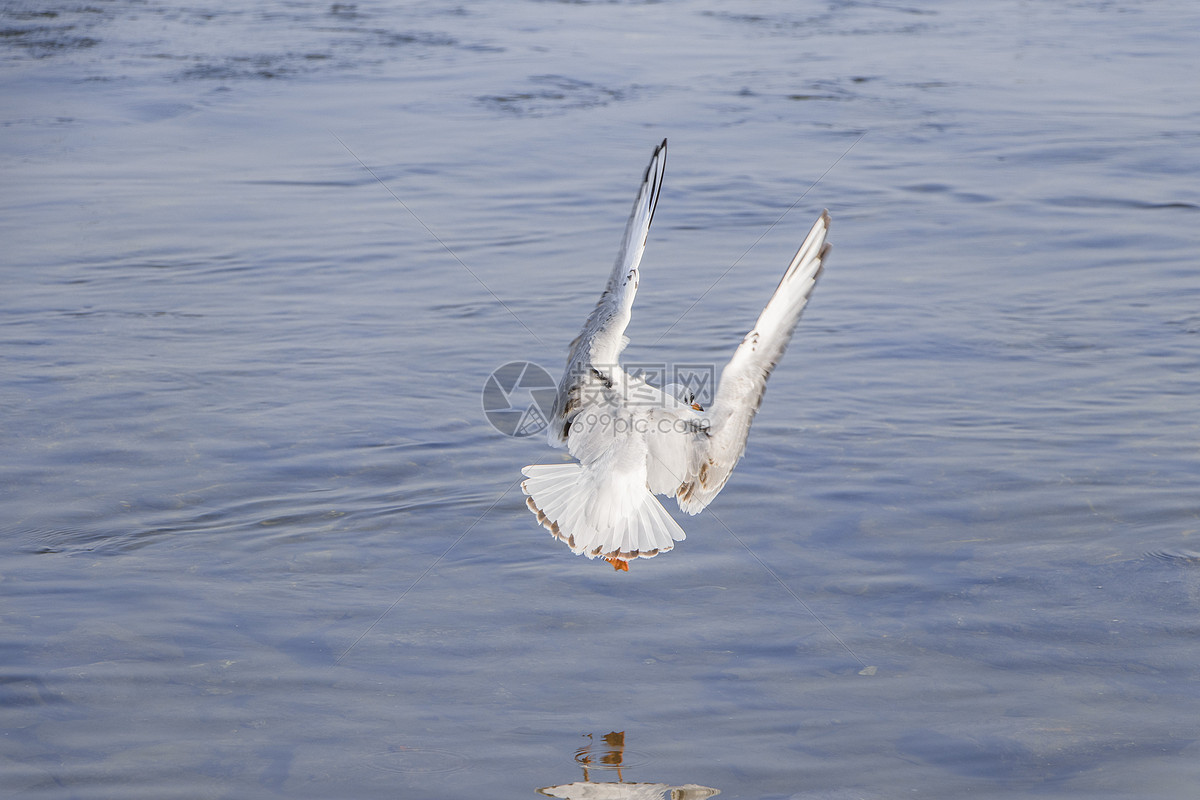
{"x": 259, "y": 539}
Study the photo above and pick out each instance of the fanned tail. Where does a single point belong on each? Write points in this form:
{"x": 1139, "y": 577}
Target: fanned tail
{"x": 569, "y": 503}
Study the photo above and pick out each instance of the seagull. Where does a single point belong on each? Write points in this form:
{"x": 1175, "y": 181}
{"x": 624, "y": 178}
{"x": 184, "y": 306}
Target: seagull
{"x": 632, "y": 441}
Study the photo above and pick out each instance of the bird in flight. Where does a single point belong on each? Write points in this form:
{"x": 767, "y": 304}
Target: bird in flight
{"x": 632, "y": 441}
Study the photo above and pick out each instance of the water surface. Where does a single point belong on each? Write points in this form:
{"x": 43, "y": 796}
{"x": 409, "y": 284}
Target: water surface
{"x": 261, "y": 541}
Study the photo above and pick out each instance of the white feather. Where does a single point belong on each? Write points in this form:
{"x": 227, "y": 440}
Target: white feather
{"x": 604, "y": 505}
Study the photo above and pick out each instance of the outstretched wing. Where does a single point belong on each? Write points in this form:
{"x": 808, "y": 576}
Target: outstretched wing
{"x": 708, "y": 458}
{"x": 602, "y": 339}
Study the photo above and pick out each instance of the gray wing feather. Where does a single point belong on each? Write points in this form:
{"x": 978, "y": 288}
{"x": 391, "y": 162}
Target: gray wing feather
{"x": 713, "y": 456}
{"x": 595, "y": 351}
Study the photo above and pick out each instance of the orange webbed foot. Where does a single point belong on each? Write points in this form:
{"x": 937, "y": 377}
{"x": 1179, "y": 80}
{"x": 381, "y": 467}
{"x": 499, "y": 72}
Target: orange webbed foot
{"x": 618, "y": 564}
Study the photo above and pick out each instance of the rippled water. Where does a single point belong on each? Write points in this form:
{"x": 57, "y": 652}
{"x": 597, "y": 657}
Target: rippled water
{"x": 260, "y": 540}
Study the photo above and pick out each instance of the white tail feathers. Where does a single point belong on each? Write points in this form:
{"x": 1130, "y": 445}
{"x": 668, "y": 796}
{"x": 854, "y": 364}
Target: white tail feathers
{"x": 596, "y": 518}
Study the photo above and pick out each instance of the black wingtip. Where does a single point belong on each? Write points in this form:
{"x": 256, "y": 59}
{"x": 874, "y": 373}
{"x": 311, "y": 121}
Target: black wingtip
{"x": 661, "y": 150}
{"x": 654, "y": 176}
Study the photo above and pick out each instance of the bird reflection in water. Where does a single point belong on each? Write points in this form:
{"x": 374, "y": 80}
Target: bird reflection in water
{"x": 609, "y": 755}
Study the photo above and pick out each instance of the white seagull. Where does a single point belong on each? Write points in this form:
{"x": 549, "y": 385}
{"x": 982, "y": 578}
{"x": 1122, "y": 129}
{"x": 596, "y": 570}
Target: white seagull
{"x": 632, "y": 440}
